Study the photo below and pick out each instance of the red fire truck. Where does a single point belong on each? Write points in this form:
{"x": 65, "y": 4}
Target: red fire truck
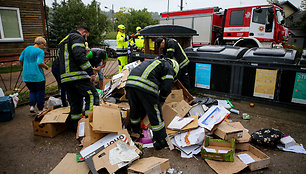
{"x": 252, "y": 26}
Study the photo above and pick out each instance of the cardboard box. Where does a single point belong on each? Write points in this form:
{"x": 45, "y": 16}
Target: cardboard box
{"x": 52, "y": 123}
{"x": 261, "y": 160}
{"x": 69, "y": 165}
{"x": 176, "y": 95}
{"x": 216, "y": 149}
{"x": 192, "y": 125}
{"x": 228, "y": 131}
{"x": 149, "y": 166}
{"x": 107, "y": 118}
{"x": 246, "y": 137}
{"x": 187, "y": 96}
{"x": 181, "y": 107}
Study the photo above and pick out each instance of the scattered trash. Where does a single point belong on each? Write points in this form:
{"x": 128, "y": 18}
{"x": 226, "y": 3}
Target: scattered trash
{"x": 267, "y": 137}
{"x": 252, "y": 104}
{"x": 206, "y": 101}
{"x": 288, "y": 141}
{"x": 246, "y": 116}
{"x": 213, "y": 116}
{"x": 52, "y": 101}
{"x": 234, "y": 111}
{"x": 172, "y": 171}
{"x": 15, "y": 98}
{"x": 149, "y": 165}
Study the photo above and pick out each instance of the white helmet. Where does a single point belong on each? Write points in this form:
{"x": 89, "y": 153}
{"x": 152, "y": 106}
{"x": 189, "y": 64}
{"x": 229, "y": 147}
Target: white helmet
{"x": 175, "y": 66}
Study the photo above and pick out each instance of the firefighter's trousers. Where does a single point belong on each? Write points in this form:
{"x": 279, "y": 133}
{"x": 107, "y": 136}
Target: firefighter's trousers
{"x": 142, "y": 103}
{"x": 122, "y": 61}
{"x": 77, "y": 90}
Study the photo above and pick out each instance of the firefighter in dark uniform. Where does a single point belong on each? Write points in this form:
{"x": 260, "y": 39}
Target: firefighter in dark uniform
{"x": 147, "y": 86}
{"x": 97, "y": 58}
{"x": 76, "y": 72}
{"x": 170, "y": 48}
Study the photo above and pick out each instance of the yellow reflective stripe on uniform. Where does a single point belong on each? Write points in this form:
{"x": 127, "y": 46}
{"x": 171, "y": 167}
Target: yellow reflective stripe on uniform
{"x": 78, "y": 45}
{"x": 170, "y": 49}
{"x": 74, "y": 74}
{"x": 64, "y": 39}
{"x": 158, "y": 127}
{"x": 148, "y": 70}
{"x": 91, "y": 100}
{"x": 144, "y": 86}
{"x": 66, "y": 57}
{"x": 135, "y": 121}
{"x": 167, "y": 77}
{"x": 68, "y": 79}
{"x": 157, "y": 113}
{"x": 186, "y": 60}
{"x": 76, "y": 116}
{"x": 143, "y": 80}
{"x": 88, "y": 112}
{"x": 85, "y": 65}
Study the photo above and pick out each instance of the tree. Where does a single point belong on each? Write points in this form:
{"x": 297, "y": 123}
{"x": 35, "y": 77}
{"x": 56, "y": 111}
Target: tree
{"x": 132, "y": 18}
{"x": 68, "y": 15}
{"x": 272, "y": 1}
{"x": 303, "y": 5}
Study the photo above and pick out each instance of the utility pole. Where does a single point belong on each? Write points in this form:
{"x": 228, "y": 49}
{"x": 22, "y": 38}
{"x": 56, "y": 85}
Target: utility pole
{"x": 181, "y": 7}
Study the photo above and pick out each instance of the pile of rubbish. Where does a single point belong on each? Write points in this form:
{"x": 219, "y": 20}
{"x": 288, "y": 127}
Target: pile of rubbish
{"x": 194, "y": 126}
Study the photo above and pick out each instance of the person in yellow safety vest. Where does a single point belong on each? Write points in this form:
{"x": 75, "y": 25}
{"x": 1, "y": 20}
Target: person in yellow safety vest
{"x": 139, "y": 40}
{"x": 122, "y": 46}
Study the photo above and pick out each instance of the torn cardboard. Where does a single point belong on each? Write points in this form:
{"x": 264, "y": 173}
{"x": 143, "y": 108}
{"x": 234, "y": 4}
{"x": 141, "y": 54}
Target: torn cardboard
{"x": 69, "y": 165}
{"x": 222, "y": 167}
{"x": 59, "y": 115}
{"x": 107, "y": 118}
{"x": 227, "y": 131}
{"x": 151, "y": 165}
{"x": 190, "y": 126}
{"x": 181, "y": 107}
{"x": 187, "y": 96}
{"x": 246, "y": 137}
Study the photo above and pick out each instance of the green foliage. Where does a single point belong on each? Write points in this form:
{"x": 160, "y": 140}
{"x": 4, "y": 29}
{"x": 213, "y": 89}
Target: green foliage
{"x": 110, "y": 35}
{"x": 67, "y": 15}
{"x": 132, "y": 18}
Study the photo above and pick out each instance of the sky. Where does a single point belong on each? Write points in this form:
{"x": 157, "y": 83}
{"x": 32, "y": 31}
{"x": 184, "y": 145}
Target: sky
{"x": 174, "y": 5}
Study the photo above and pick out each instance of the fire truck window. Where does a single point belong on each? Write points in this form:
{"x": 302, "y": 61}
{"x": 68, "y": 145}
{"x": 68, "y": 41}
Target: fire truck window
{"x": 280, "y": 16}
{"x": 237, "y": 17}
{"x": 260, "y": 16}
{"x": 269, "y": 22}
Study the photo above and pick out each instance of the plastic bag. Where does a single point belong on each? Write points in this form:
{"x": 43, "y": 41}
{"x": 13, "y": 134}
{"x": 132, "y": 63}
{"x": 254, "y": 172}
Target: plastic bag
{"x": 54, "y": 102}
{"x": 15, "y": 98}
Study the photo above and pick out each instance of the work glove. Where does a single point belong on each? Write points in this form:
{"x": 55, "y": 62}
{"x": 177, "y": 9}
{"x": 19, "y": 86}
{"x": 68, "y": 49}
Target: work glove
{"x": 132, "y": 36}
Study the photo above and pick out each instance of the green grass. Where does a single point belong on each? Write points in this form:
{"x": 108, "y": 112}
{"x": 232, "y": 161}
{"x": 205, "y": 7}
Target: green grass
{"x": 9, "y": 69}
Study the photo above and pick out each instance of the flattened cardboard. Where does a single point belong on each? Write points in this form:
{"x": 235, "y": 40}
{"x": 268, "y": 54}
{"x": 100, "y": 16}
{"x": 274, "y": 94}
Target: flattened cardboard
{"x": 246, "y": 137}
{"x": 192, "y": 125}
{"x": 222, "y": 167}
{"x": 59, "y": 115}
{"x": 218, "y": 144}
{"x": 105, "y": 81}
{"x": 187, "y": 96}
{"x": 69, "y": 165}
{"x": 176, "y": 95}
{"x": 227, "y": 131}
{"x": 168, "y": 114}
{"x": 149, "y": 165}
{"x": 261, "y": 159}
{"x": 101, "y": 159}
{"x": 125, "y": 73}
{"x": 106, "y": 119}
{"x": 181, "y": 107}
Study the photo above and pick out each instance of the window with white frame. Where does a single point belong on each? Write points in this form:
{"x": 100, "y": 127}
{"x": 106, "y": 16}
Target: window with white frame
{"x": 10, "y": 25}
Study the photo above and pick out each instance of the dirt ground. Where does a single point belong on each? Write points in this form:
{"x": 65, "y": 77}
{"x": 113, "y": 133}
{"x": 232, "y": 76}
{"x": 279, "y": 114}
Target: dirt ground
{"x": 23, "y": 152}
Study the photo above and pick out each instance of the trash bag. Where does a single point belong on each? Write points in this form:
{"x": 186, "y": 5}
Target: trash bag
{"x": 52, "y": 101}
{"x": 15, "y": 99}
{"x": 267, "y": 137}
{"x": 208, "y": 101}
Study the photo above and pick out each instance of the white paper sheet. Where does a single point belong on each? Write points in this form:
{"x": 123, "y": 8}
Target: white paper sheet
{"x": 223, "y": 103}
{"x": 296, "y": 149}
{"x": 150, "y": 145}
{"x": 245, "y": 158}
{"x": 179, "y": 123}
{"x": 213, "y": 116}
{"x": 196, "y": 137}
{"x": 82, "y": 129}
{"x": 210, "y": 150}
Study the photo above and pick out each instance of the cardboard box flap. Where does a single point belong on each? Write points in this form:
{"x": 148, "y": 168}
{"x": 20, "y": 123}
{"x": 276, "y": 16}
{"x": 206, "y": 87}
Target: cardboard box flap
{"x": 226, "y": 167}
{"x": 106, "y": 119}
{"x": 246, "y": 137}
{"x": 56, "y": 116}
{"x": 227, "y": 131}
{"x": 168, "y": 114}
{"x": 69, "y": 165}
{"x": 192, "y": 125}
{"x": 187, "y": 96}
{"x": 125, "y": 73}
{"x": 176, "y": 95}
{"x": 150, "y": 165}
{"x": 115, "y": 156}
{"x": 182, "y": 107}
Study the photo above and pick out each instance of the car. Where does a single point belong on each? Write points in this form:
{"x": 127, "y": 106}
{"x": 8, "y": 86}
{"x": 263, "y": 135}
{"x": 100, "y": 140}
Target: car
{"x": 110, "y": 46}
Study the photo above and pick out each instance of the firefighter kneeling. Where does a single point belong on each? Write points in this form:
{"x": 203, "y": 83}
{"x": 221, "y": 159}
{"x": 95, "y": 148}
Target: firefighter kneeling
{"x": 147, "y": 86}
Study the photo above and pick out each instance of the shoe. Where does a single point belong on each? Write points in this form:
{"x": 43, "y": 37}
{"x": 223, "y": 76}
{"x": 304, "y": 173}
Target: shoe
{"x": 32, "y": 109}
{"x": 160, "y": 144}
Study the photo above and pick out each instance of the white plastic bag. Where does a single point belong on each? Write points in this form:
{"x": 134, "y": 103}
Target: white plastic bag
{"x": 52, "y": 101}
{"x": 15, "y": 98}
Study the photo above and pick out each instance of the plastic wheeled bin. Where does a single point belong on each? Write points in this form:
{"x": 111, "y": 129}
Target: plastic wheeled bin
{"x": 7, "y": 108}
{"x": 269, "y": 73}
{"x": 303, "y": 58}
{"x": 215, "y": 68}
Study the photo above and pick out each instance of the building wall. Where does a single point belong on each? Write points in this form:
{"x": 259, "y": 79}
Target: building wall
{"x": 32, "y": 21}
{"x": 288, "y": 10}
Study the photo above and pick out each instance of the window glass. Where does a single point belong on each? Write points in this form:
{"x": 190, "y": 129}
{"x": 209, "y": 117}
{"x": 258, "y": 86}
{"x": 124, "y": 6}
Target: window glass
{"x": 237, "y": 17}
{"x": 260, "y": 16}
{"x": 10, "y": 24}
{"x": 280, "y": 16}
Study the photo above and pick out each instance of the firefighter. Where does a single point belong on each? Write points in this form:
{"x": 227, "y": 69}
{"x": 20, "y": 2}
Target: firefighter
{"x": 76, "y": 73}
{"x": 97, "y": 58}
{"x": 147, "y": 86}
{"x": 122, "y": 46}
{"x": 139, "y": 40}
{"x": 170, "y": 48}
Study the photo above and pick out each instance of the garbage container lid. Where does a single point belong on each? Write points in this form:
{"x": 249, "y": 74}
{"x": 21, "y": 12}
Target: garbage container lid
{"x": 303, "y": 59}
{"x": 270, "y": 55}
{"x": 211, "y": 49}
{"x": 168, "y": 30}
